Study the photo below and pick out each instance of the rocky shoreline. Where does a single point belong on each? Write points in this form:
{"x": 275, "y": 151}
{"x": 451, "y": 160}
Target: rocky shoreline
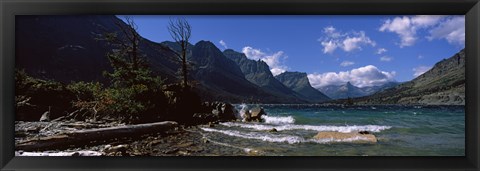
{"x": 180, "y": 141}
{"x": 94, "y": 138}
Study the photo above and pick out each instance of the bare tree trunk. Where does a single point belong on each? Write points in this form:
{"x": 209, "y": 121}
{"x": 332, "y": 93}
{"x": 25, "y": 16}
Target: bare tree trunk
{"x": 184, "y": 65}
{"x": 93, "y": 136}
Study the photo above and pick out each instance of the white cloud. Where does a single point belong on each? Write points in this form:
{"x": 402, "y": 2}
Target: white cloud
{"x": 386, "y": 58}
{"x": 352, "y": 43}
{"x": 451, "y": 28}
{"x": 224, "y": 44}
{"x": 403, "y": 27}
{"x": 420, "y": 56}
{"x": 277, "y": 71}
{"x": 364, "y": 76}
{"x": 348, "y": 42}
{"x": 381, "y": 51}
{"x": 346, "y": 63}
{"x": 275, "y": 61}
{"x": 423, "y": 21}
{"x": 329, "y": 47}
{"x": 420, "y": 70}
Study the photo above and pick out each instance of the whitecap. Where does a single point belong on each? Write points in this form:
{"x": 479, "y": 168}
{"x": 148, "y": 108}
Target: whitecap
{"x": 278, "y": 119}
{"x": 258, "y": 136}
{"x": 290, "y": 139}
{"x": 344, "y": 129}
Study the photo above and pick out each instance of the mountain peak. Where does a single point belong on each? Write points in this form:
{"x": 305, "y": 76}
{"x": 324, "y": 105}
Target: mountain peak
{"x": 230, "y": 51}
{"x": 298, "y": 81}
{"x": 204, "y": 43}
{"x": 294, "y": 74}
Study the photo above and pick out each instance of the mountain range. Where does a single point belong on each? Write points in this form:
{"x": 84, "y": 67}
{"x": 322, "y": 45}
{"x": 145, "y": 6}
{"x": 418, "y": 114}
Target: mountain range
{"x": 258, "y": 72}
{"x": 348, "y": 90}
{"x": 69, "y": 49}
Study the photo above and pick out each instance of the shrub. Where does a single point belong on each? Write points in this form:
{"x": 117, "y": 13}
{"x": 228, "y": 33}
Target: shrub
{"x": 182, "y": 104}
{"x": 35, "y": 96}
{"x": 134, "y": 104}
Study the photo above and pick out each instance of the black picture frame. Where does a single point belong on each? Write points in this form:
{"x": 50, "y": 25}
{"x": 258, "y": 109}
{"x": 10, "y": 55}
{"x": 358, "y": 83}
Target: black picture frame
{"x": 10, "y": 8}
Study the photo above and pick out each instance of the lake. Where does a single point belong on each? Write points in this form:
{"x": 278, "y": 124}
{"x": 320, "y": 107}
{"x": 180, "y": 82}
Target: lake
{"x": 400, "y": 130}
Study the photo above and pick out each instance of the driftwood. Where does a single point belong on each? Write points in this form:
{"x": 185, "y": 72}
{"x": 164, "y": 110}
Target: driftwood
{"x": 93, "y": 136}
{"x": 67, "y": 116}
{"x": 74, "y": 153}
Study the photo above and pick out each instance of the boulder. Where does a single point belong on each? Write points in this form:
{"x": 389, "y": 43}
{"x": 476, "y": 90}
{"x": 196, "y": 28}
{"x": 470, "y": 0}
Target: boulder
{"x": 216, "y": 112}
{"x": 347, "y": 137}
{"x": 256, "y": 113}
{"x": 119, "y": 148}
{"x": 247, "y": 116}
{"x": 204, "y": 118}
{"x": 227, "y": 112}
{"x": 224, "y": 111}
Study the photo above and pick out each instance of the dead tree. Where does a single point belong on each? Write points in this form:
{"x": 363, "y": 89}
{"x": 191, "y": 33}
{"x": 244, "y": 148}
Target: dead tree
{"x": 180, "y": 30}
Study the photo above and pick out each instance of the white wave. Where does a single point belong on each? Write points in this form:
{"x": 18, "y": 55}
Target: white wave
{"x": 259, "y": 136}
{"x": 243, "y": 109}
{"x": 281, "y": 138}
{"x": 278, "y": 119}
{"x": 344, "y": 129}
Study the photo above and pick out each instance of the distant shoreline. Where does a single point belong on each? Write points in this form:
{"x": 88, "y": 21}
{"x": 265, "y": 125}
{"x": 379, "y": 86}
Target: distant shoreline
{"x": 333, "y": 104}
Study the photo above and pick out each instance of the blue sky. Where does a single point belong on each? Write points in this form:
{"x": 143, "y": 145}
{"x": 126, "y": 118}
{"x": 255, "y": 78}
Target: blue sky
{"x": 365, "y": 50}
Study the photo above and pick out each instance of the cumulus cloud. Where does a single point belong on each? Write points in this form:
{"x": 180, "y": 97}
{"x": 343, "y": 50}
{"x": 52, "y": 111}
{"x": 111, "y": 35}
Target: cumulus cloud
{"x": 381, "y": 51}
{"x": 275, "y": 61}
{"x": 386, "y": 58}
{"x": 352, "y": 43}
{"x": 451, "y": 28}
{"x": 346, "y": 63}
{"x": 417, "y": 71}
{"x": 364, "y": 76}
{"x": 403, "y": 27}
{"x": 348, "y": 42}
{"x": 329, "y": 47}
{"x": 223, "y": 43}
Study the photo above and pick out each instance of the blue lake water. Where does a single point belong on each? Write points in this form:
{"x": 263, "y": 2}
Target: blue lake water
{"x": 400, "y": 130}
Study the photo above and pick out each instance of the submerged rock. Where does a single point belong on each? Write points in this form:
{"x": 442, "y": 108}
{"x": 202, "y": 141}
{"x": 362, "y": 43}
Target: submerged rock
{"x": 273, "y": 130}
{"x": 346, "y": 137}
{"x": 364, "y": 132}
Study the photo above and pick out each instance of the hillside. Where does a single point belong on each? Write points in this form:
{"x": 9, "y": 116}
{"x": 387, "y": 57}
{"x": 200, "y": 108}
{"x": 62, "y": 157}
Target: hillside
{"x": 444, "y": 84}
{"x": 67, "y": 48}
